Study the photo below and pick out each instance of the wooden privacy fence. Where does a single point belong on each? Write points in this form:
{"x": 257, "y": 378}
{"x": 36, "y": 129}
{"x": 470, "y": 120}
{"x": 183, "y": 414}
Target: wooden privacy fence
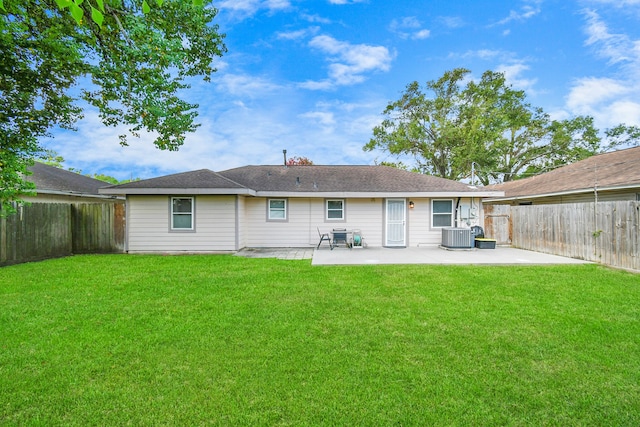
{"x": 48, "y": 230}
{"x": 604, "y": 232}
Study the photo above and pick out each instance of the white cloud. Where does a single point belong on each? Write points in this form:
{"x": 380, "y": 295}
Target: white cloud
{"x": 527, "y": 11}
{"x": 346, "y": 1}
{"x": 452, "y": 21}
{"x": 245, "y": 120}
{"x": 615, "y": 47}
{"x": 297, "y": 35}
{"x": 420, "y": 35}
{"x": 315, "y": 18}
{"x": 244, "y": 8}
{"x": 513, "y": 75}
{"x": 590, "y": 91}
{"x": 324, "y": 118}
{"x": 409, "y": 28}
{"x": 607, "y": 100}
{"x": 245, "y": 85}
{"x": 348, "y": 62}
{"x": 614, "y": 99}
{"x": 317, "y": 84}
{"x": 624, "y": 111}
{"x": 485, "y": 54}
{"x": 407, "y": 22}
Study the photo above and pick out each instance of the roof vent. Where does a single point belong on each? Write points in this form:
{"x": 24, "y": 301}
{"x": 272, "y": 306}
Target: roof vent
{"x": 297, "y": 180}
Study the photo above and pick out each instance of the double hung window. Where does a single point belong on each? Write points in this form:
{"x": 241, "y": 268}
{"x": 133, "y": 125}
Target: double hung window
{"x": 335, "y": 210}
{"x": 277, "y": 210}
{"x": 182, "y": 213}
{"x": 442, "y": 213}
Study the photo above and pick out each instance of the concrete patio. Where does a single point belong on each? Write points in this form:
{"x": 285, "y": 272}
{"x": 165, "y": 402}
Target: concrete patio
{"x": 436, "y": 255}
{"x": 420, "y": 255}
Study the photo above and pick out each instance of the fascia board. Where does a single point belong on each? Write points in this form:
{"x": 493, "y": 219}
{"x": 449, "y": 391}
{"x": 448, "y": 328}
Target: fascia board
{"x": 564, "y": 193}
{"x": 365, "y": 195}
{"x": 179, "y": 191}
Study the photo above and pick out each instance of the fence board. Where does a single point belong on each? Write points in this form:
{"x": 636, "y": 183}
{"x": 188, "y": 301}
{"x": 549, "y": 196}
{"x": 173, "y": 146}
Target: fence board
{"x": 35, "y": 232}
{"x": 48, "y": 230}
{"x": 95, "y": 227}
{"x": 497, "y": 223}
{"x": 605, "y": 232}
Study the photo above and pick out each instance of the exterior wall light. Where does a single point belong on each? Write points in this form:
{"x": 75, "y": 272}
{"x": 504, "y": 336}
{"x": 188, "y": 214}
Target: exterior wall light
{"x": 411, "y": 204}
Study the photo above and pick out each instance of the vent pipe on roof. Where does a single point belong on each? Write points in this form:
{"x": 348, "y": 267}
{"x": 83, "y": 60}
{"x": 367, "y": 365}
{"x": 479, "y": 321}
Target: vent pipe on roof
{"x": 284, "y": 154}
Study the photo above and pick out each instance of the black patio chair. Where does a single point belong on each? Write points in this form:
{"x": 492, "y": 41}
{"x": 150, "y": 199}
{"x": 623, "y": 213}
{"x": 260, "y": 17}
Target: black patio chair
{"x": 323, "y": 237}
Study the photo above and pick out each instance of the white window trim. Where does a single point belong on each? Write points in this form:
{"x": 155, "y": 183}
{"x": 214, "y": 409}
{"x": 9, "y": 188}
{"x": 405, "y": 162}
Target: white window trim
{"x": 343, "y": 210}
{"x": 286, "y": 210}
{"x": 433, "y": 213}
{"x": 192, "y": 213}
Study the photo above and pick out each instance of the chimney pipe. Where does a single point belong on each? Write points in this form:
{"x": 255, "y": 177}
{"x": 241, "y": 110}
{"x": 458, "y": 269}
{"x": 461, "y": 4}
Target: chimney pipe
{"x": 284, "y": 153}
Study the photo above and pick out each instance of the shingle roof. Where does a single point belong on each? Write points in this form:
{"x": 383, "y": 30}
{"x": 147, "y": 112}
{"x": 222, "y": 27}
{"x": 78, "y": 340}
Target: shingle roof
{"x": 302, "y": 180}
{"x": 610, "y": 170}
{"x": 339, "y": 179}
{"x": 203, "y": 178}
{"x": 49, "y": 178}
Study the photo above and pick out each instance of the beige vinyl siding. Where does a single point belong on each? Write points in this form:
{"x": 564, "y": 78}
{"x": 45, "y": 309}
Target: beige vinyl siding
{"x": 241, "y": 222}
{"x": 149, "y": 219}
{"x": 420, "y": 232}
{"x": 366, "y": 215}
{"x": 304, "y": 216}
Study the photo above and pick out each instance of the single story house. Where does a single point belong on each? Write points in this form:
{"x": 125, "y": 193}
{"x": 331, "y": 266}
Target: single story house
{"x": 287, "y": 206}
{"x": 55, "y": 185}
{"x": 604, "y": 177}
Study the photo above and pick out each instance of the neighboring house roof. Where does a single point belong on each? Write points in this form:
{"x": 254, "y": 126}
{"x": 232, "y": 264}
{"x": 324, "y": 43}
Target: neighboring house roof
{"x": 203, "y": 181}
{"x": 52, "y": 180}
{"x": 609, "y": 171}
{"x": 316, "y": 181}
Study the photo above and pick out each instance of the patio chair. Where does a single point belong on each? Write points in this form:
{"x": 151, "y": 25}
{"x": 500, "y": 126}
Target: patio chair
{"x": 323, "y": 237}
{"x": 340, "y": 236}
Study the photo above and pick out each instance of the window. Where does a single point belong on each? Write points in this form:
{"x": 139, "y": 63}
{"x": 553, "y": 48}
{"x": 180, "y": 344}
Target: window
{"x": 182, "y": 213}
{"x": 277, "y": 209}
{"x": 442, "y": 213}
{"x": 335, "y": 210}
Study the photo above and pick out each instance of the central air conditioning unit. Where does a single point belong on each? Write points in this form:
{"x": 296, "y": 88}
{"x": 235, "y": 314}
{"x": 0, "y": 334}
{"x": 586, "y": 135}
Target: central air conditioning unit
{"x": 457, "y": 237}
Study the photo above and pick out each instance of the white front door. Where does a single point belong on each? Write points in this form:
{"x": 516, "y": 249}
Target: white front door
{"x": 396, "y": 222}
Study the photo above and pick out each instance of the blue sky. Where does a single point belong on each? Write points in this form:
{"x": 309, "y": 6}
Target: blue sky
{"x": 313, "y": 77}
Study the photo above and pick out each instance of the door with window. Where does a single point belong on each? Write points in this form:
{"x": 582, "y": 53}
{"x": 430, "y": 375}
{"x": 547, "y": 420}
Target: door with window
{"x": 396, "y": 227}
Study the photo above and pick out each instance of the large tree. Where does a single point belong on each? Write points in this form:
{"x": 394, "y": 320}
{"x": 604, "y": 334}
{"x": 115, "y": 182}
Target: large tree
{"x": 427, "y": 128}
{"x": 132, "y": 64}
{"x": 455, "y": 125}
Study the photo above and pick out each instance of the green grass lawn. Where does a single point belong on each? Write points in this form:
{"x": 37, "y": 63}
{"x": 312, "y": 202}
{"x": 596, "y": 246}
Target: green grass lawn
{"x": 223, "y": 340}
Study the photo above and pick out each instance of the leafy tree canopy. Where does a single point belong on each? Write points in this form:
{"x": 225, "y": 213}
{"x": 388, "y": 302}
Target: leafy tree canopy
{"x": 454, "y": 124}
{"x": 299, "y": 161}
{"x": 138, "y": 59}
